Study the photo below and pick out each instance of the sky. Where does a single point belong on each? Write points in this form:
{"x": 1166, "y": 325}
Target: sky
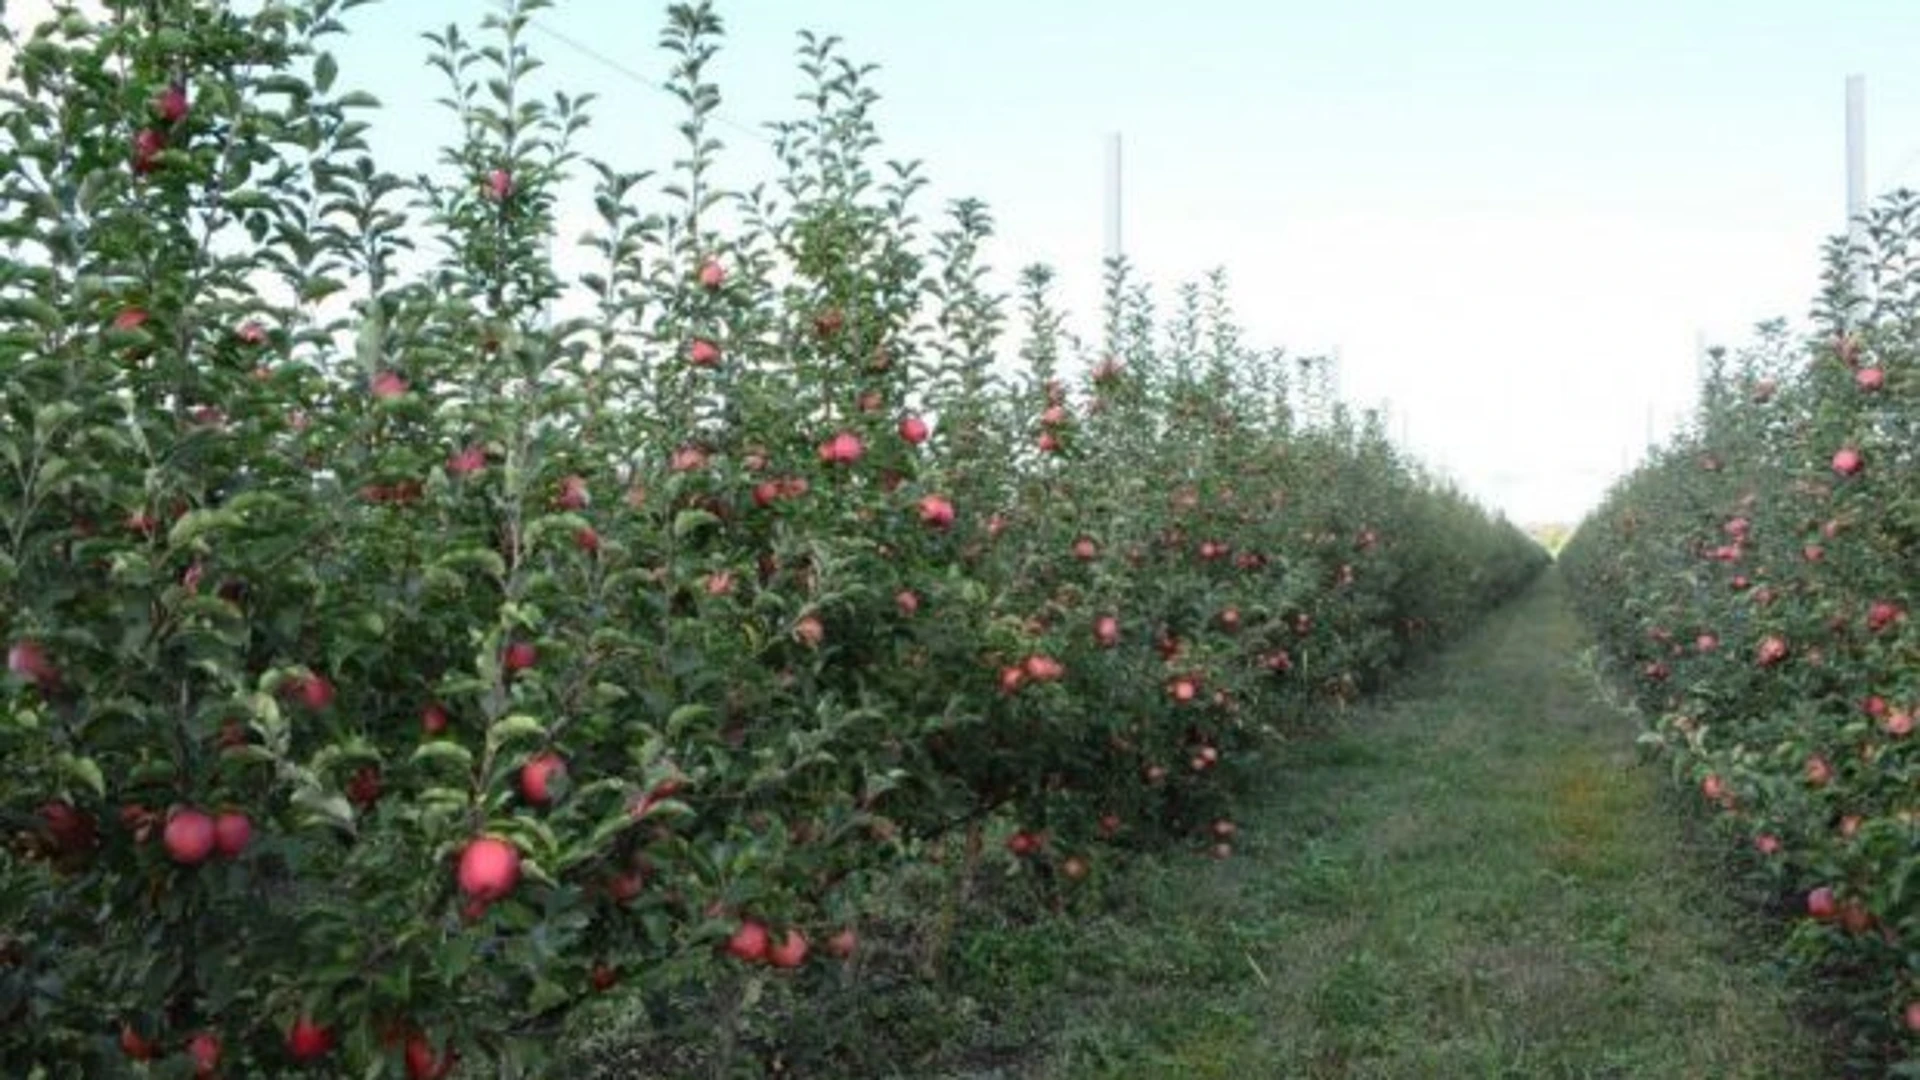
{"x": 1513, "y": 220}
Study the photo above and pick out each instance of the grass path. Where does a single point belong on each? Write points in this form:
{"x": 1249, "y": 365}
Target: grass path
{"x": 1472, "y": 878}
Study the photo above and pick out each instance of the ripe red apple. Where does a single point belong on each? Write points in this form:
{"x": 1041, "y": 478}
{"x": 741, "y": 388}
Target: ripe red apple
{"x": 537, "y": 775}
{"x": 936, "y": 512}
{"x": 232, "y": 832}
{"x": 602, "y": 977}
{"x": 315, "y": 691}
{"x": 1767, "y": 844}
{"x": 170, "y": 104}
{"x": 308, "y": 1041}
{"x": 520, "y": 656}
{"x": 136, "y": 1047}
{"x": 1870, "y": 378}
{"x": 1882, "y": 614}
{"x": 829, "y": 322}
{"x": 1913, "y": 1016}
{"x": 1224, "y": 829}
{"x": 1230, "y": 619}
{"x": 749, "y": 943}
{"x": 1109, "y": 824}
{"x": 203, "y": 1049}
{"x": 844, "y": 448}
{"x": 28, "y": 660}
{"x": 703, "y": 353}
{"x": 908, "y": 602}
{"x": 423, "y": 1063}
{"x": 1183, "y": 690}
{"x": 1155, "y": 774}
{"x": 188, "y": 837}
{"x": 1819, "y": 773}
{"x": 1085, "y": 549}
{"x": 1706, "y": 643}
{"x": 712, "y": 275}
{"x": 1047, "y": 443}
{"x": 1899, "y": 723}
{"x": 467, "y": 460}
{"x": 573, "y": 493}
{"x": 389, "y": 386}
{"x": 842, "y": 945}
{"x": 1773, "y": 649}
{"x": 1106, "y": 631}
{"x": 790, "y": 952}
{"x": 499, "y": 185}
{"x": 1712, "y": 788}
{"x": 148, "y": 144}
{"x": 809, "y": 631}
{"x": 433, "y": 719}
{"x": 1042, "y": 668}
{"x": 1820, "y": 903}
{"x": 489, "y": 868}
{"x": 1847, "y": 461}
{"x": 914, "y": 430}
{"x": 72, "y": 831}
{"x": 1075, "y": 868}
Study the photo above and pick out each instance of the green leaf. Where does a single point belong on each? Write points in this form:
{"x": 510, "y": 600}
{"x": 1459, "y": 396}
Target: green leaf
{"x": 85, "y": 771}
{"x": 324, "y": 807}
{"x": 689, "y": 520}
{"x": 444, "y": 751}
{"x": 325, "y": 70}
{"x": 517, "y": 726}
{"x": 686, "y": 715}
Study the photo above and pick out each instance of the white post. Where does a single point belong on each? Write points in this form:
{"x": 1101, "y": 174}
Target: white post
{"x": 1113, "y": 196}
{"x": 1857, "y": 176}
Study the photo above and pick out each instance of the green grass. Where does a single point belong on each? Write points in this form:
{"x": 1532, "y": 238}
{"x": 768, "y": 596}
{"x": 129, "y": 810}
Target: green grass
{"x": 1475, "y": 878}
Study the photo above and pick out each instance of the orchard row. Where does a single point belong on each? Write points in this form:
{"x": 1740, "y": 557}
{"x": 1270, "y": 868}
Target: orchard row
{"x": 396, "y": 661}
{"x": 1760, "y": 576}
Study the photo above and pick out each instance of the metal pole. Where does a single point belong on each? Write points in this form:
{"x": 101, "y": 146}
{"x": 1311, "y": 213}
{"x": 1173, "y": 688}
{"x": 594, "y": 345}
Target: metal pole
{"x": 1113, "y": 196}
{"x": 1857, "y": 179}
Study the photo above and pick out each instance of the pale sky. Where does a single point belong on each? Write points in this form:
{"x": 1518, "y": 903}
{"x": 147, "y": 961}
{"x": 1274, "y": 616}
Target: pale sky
{"x": 1512, "y": 218}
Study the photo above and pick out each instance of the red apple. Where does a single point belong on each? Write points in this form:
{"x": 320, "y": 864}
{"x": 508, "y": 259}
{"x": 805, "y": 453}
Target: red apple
{"x": 1224, "y": 829}
{"x": 1085, "y": 549}
{"x": 1767, "y": 844}
{"x": 712, "y": 275}
{"x": 389, "y": 386}
{"x": 537, "y": 775}
{"x": 28, "y": 660}
{"x": 749, "y": 943}
{"x": 936, "y": 512}
{"x": 844, "y": 448}
{"x": 232, "y": 832}
{"x": 703, "y": 353}
{"x": 1899, "y": 723}
{"x": 914, "y": 430}
{"x": 135, "y": 1046}
{"x": 842, "y": 945}
{"x": 1847, "y": 461}
{"x": 188, "y": 837}
{"x": 308, "y": 1041}
{"x": 1109, "y": 824}
{"x": 170, "y": 104}
{"x": 1075, "y": 868}
{"x": 1106, "y": 631}
{"x": 587, "y": 540}
{"x": 148, "y": 144}
{"x": 790, "y": 952}
{"x": 1773, "y": 649}
{"x": 1870, "y": 378}
{"x": 499, "y": 185}
{"x": 433, "y": 719}
{"x": 1882, "y": 614}
{"x": 203, "y": 1049}
{"x": 423, "y": 1063}
{"x": 908, "y": 602}
{"x": 520, "y": 656}
{"x": 72, "y": 831}
{"x": 809, "y": 631}
{"x": 602, "y": 977}
{"x": 468, "y": 460}
{"x": 1820, "y": 903}
{"x": 489, "y": 868}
